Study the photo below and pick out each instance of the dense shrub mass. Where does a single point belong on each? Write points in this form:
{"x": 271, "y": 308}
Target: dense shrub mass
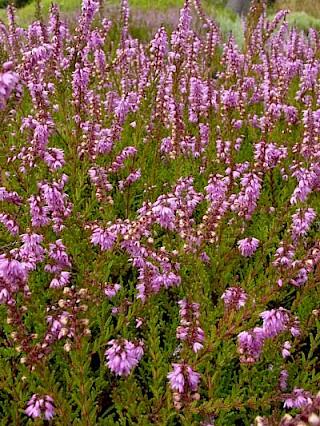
{"x": 17, "y": 3}
{"x": 159, "y": 218}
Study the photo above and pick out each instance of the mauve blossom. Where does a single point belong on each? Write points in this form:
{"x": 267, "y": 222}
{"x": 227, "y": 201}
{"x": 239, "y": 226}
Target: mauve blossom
{"x": 189, "y": 329}
{"x": 60, "y": 280}
{"x": 301, "y": 222}
{"x": 248, "y": 246}
{"x": 284, "y": 255}
{"x": 276, "y": 321}
{"x": 39, "y": 405}
{"x": 234, "y": 297}
{"x": 296, "y": 399}
{"x": 123, "y": 356}
{"x": 8, "y": 81}
{"x": 164, "y": 212}
{"x": 31, "y": 251}
{"x": 11, "y": 225}
{"x": 283, "y": 379}
{"x": 54, "y": 158}
{"x": 250, "y": 345}
{"x": 111, "y": 290}
{"x": 10, "y": 197}
{"x": 286, "y": 349}
{"x": 183, "y": 378}
{"x": 103, "y": 238}
{"x": 59, "y": 326}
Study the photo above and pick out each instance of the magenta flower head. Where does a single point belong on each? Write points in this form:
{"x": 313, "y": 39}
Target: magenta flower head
{"x": 234, "y": 297}
{"x": 296, "y": 399}
{"x": 39, "y": 405}
{"x": 123, "y": 356}
{"x": 183, "y": 378}
{"x": 248, "y": 246}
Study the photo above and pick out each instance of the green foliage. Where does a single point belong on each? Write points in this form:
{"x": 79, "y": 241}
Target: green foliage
{"x": 75, "y": 372}
{"x": 16, "y": 3}
{"x": 302, "y": 21}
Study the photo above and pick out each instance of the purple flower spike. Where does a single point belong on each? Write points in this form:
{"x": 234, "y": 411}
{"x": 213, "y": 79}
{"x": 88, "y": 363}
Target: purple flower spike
{"x": 296, "y": 399}
{"x": 38, "y": 404}
{"x": 183, "y": 378}
{"x": 123, "y": 356}
{"x": 248, "y": 246}
{"x": 234, "y": 297}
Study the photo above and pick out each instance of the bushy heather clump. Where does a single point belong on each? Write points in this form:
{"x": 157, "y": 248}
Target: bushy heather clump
{"x": 159, "y": 221}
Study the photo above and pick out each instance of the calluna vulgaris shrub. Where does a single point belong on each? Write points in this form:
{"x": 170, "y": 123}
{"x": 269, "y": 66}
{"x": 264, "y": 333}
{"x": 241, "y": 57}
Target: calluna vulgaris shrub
{"x": 159, "y": 222}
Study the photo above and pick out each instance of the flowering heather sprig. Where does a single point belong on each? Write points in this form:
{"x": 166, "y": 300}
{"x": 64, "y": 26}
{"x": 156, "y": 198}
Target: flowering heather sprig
{"x": 250, "y": 346}
{"x": 59, "y": 260}
{"x": 129, "y": 180}
{"x": 284, "y": 379}
{"x": 297, "y": 398}
{"x": 103, "y": 238}
{"x": 284, "y": 256}
{"x": 301, "y": 222}
{"x": 234, "y": 297}
{"x": 158, "y": 50}
{"x": 268, "y": 155}
{"x": 248, "y": 246}
{"x": 9, "y": 222}
{"x": 111, "y": 290}
{"x": 275, "y": 321}
{"x": 10, "y": 197}
{"x": 286, "y": 349}
{"x": 99, "y": 178}
{"x": 39, "y": 406}
{"x": 189, "y": 329}
{"x": 59, "y": 326}
{"x": 308, "y": 181}
{"x": 118, "y": 162}
{"x": 31, "y": 251}
{"x": 54, "y": 158}
{"x": 13, "y": 277}
{"x": 123, "y": 355}
{"x": 246, "y": 201}
{"x": 56, "y": 201}
{"x": 8, "y": 81}
{"x": 183, "y": 379}
{"x": 39, "y": 212}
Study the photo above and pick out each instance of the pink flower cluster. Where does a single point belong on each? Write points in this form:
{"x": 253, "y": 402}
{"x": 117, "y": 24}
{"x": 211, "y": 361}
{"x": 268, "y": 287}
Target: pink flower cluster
{"x": 39, "y": 406}
{"x": 275, "y": 322}
{"x": 123, "y": 355}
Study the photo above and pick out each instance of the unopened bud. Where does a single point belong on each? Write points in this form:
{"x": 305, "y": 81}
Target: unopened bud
{"x": 64, "y": 331}
{"x": 67, "y": 347}
{"x": 260, "y": 421}
{"x": 83, "y": 292}
{"x": 64, "y": 320}
{"x": 314, "y": 420}
{"x": 62, "y": 303}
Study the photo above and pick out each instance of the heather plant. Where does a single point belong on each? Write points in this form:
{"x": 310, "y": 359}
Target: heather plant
{"x": 159, "y": 222}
